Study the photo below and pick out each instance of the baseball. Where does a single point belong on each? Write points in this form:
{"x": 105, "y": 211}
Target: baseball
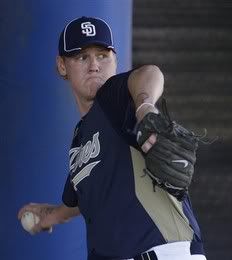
{"x": 29, "y": 220}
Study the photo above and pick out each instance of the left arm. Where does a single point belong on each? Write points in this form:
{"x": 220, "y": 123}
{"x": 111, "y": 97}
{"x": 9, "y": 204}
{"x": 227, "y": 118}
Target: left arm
{"x": 146, "y": 86}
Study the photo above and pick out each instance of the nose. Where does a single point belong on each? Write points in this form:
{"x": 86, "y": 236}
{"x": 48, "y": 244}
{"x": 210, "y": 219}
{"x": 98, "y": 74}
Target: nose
{"x": 94, "y": 65}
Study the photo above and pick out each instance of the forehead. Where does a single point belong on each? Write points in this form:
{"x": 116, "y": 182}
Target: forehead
{"x": 93, "y": 48}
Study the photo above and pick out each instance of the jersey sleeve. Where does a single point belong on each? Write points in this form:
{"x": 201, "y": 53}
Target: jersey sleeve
{"x": 69, "y": 196}
{"x": 116, "y": 102}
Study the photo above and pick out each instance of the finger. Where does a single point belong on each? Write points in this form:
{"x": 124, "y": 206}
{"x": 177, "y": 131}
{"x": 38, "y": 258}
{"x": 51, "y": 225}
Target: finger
{"x": 152, "y": 139}
{"x": 31, "y": 207}
{"x": 22, "y": 211}
{"x": 149, "y": 143}
{"x": 36, "y": 229}
{"x": 146, "y": 146}
{"x": 32, "y": 232}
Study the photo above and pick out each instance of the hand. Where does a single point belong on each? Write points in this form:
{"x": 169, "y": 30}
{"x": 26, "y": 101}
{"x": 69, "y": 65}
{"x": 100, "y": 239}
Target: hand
{"x": 140, "y": 114}
{"x": 46, "y": 214}
{"x": 149, "y": 143}
{"x": 170, "y": 162}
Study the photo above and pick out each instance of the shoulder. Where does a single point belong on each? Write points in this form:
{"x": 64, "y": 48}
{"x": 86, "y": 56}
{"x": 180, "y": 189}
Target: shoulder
{"x": 120, "y": 77}
{"x": 114, "y": 85}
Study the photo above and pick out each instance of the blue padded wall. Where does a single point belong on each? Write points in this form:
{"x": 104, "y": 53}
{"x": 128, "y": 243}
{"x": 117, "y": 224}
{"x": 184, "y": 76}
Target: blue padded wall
{"x": 38, "y": 115}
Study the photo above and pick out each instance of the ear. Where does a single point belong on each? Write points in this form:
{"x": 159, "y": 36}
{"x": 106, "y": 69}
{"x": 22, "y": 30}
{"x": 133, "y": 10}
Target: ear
{"x": 116, "y": 61}
{"x": 61, "y": 66}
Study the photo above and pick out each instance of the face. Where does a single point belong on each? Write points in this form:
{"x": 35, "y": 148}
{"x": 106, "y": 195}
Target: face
{"x": 88, "y": 70}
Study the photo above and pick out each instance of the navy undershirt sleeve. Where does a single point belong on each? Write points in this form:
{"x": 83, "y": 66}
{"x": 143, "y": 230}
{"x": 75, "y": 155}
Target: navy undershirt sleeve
{"x": 69, "y": 196}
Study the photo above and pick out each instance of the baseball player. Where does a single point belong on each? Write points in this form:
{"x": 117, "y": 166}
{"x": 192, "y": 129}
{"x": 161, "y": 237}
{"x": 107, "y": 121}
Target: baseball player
{"x": 128, "y": 214}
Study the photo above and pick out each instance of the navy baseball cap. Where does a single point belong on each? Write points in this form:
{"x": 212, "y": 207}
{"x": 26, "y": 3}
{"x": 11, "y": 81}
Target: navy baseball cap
{"x": 82, "y": 32}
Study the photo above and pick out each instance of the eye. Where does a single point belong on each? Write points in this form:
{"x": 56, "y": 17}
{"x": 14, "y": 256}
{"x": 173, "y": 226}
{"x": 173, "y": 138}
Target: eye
{"x": 102, "y": 56}
{"x": 81, "y": 57}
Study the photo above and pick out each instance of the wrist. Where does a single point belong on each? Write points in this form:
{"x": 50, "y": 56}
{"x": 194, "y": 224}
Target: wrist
{"x": 145, "y": 104}
{"x": 144, "y": 109}
{"x": 64, "y": 213}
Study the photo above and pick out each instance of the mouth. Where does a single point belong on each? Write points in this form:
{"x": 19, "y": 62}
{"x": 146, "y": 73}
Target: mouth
{"x": 94, "y": 77}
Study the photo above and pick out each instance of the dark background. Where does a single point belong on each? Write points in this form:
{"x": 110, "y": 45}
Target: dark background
{"x": 191, "y": 41}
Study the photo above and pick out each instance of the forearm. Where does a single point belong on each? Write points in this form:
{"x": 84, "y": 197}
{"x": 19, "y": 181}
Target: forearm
{"x": 146, "y": 86}
{"x": 49, "y": 214}
{"x": 64, "y": 213}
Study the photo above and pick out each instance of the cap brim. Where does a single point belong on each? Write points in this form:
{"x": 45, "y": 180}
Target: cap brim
{"x": 86, "y": 45}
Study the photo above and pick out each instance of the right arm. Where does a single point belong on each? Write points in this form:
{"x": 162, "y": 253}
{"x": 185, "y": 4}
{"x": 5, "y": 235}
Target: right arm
{"x": 49, "y": 215}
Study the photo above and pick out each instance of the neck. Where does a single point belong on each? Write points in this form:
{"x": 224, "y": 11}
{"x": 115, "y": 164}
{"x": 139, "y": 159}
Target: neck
{"x": 84, "y": 106}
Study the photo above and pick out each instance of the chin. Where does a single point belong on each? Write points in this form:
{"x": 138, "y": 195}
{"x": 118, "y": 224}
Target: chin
{"x": 96, "y": 86}
{"x": 93, "y": 92}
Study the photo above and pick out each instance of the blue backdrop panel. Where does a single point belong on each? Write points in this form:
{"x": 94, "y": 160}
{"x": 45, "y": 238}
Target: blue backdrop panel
{"x": 38, "y": 115}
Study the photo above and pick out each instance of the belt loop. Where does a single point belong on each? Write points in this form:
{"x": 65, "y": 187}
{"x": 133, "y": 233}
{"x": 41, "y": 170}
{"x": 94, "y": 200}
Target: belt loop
{"x": 151, "y": 255}
{"x": 146, "y": 256}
